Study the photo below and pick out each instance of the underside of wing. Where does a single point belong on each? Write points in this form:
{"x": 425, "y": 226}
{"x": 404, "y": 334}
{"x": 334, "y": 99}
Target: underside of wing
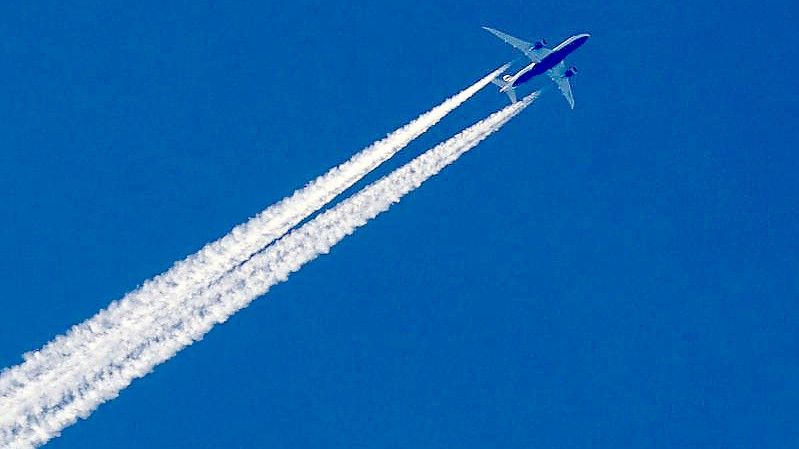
{"x": 566, "y": 89}
{"x": 535, "y": 54}
{"x": 558, "y": 75}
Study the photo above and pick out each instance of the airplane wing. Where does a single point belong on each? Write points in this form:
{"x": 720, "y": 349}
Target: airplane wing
{"x": 557, "y": 75}
{"x": 523, "y": 46}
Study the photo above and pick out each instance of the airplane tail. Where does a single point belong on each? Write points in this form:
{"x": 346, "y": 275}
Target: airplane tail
{"x": 499, "y": 82}
{"x": 505, "y": 86}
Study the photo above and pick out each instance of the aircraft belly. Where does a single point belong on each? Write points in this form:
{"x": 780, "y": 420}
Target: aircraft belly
{"x": 537, "y": 69}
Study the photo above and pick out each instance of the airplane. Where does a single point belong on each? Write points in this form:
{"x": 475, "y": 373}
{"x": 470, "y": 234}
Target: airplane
{"x": 544, "y": 60}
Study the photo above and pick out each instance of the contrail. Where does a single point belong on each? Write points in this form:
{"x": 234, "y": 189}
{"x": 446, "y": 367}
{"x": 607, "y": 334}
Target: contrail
{"x": 38, "y": 424}
{"x": 166, "y": 292}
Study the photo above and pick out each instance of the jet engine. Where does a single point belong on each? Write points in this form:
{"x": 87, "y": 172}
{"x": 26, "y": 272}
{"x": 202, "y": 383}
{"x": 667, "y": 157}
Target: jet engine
{"x": 539, "y": 44}
{"x": 570, "y": 72}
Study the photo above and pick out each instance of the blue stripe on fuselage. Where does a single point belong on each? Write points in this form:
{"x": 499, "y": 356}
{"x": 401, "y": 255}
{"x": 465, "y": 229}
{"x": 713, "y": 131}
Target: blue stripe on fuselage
{"x": 551, "y": 60}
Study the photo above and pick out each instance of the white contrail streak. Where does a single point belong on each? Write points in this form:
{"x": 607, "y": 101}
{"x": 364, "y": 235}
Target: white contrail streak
{"x": 166, "y": 292}
{"x": 236, "y": 290}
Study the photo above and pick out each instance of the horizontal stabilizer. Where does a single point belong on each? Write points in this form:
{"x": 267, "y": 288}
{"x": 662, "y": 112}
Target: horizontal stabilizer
{"x": 503, "y": 87}
{"x": 511, "y": 94}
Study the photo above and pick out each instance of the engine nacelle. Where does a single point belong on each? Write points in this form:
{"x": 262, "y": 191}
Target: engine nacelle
{"x": 507, "y": 78}
{"x": 539, "y": 44}
{"x": 570, "y": 72}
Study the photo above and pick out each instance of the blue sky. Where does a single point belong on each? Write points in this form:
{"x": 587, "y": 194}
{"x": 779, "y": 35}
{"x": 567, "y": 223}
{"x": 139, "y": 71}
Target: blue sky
{"x": 620, "y": 275}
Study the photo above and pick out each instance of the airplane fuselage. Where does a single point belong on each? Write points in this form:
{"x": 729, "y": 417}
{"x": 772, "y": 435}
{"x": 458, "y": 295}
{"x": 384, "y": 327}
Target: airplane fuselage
{"x": 549, "y": 61}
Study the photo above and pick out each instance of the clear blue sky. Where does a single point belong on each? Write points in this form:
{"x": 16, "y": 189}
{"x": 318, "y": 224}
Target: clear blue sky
{"x": 623, "y": 275}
